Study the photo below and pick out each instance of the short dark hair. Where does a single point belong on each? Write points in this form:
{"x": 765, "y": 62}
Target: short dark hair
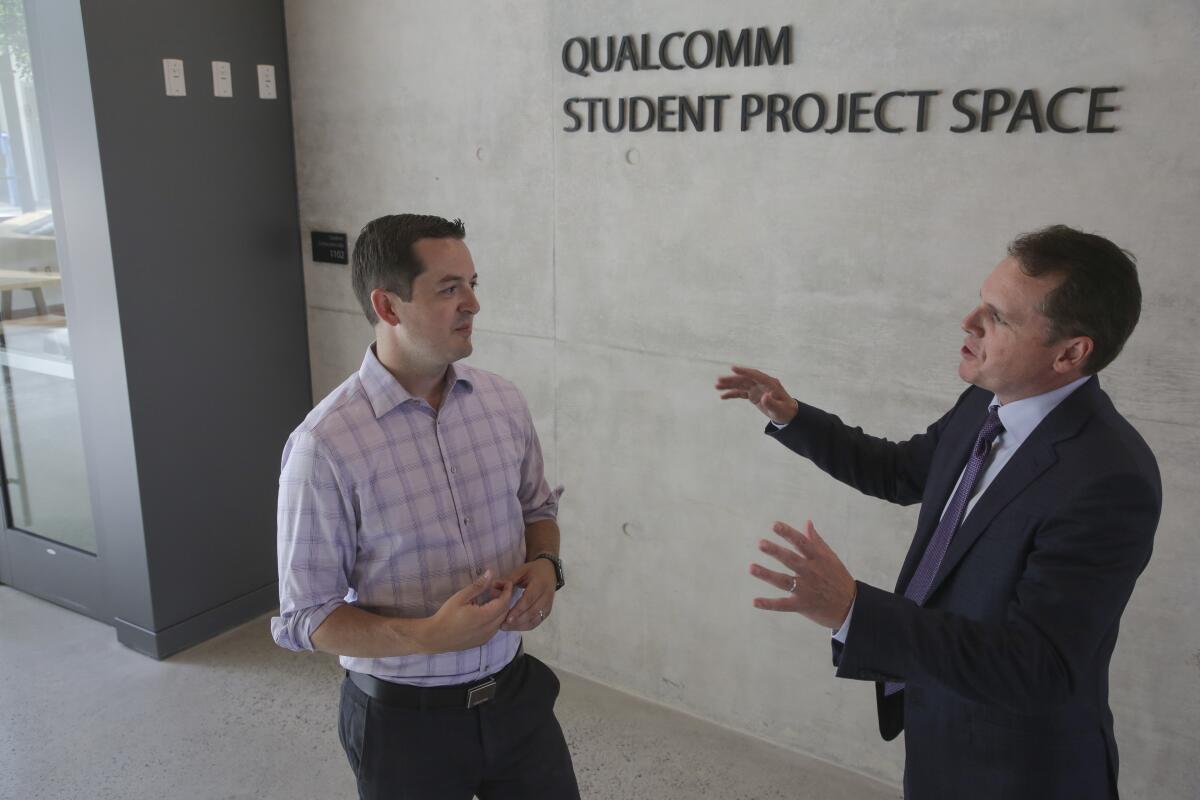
{"x": 1099, "y": 296}
{"x": 384, "y": 257}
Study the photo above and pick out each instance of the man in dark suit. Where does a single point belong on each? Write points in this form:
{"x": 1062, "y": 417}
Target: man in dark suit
{"x": 1038, "y": 509}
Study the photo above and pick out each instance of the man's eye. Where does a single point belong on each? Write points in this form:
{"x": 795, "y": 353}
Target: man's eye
{"x": 449, "y": 290}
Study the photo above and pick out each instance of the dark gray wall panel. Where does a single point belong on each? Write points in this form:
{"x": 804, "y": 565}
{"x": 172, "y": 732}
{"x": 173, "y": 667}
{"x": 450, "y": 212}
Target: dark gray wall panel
{"x": 205, "y": 241}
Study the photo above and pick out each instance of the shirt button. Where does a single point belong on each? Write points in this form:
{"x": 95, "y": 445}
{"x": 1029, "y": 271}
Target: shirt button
{"x": 466, "y": 520}
{"x": 453, "y": 470}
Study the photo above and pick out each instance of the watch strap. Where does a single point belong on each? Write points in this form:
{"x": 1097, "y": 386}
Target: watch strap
{"x": 559, "y": 581}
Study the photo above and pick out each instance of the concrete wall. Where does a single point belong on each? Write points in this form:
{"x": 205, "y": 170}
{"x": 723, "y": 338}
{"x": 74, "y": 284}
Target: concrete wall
{"x": 622, "y": 272}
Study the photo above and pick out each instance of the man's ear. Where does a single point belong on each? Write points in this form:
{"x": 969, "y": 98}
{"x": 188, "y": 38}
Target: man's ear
{"x": 384, "y": 303}
{"x": 1074, "y": 354}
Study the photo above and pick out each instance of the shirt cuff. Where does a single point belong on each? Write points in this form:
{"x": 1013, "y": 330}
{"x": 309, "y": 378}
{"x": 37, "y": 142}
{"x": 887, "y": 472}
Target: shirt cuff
{"x": 548, "y": 509}
{"x": 841, "y": 633}
{"x": 779, "y": 427}
{"x": 293, "y": 631}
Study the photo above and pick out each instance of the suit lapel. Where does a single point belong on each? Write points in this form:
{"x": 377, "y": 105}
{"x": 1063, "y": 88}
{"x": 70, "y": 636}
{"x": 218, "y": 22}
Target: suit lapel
{"x": 1030, "y": 461}
{"x": 948, "y": 464}
{"x": 1035, "y": 455}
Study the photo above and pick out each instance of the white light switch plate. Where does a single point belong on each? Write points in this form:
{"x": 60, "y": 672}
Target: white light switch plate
{"x": 222, "y": 79}
{"x": 173, "y": 75}
{"x": 266, "y": 81}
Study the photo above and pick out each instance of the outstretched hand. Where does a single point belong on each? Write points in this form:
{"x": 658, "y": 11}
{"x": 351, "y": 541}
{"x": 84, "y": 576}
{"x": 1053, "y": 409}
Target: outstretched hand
{"x": 818, "y": 584}
{"x": 765, "y": 392}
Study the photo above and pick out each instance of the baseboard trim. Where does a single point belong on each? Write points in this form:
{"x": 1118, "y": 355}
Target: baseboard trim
{"x": 200, "y": 628}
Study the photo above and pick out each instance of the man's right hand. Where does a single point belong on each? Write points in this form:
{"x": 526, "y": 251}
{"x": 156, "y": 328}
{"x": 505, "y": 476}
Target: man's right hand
{"x": 461, "y": 623}
{"x": 765, "y": 392}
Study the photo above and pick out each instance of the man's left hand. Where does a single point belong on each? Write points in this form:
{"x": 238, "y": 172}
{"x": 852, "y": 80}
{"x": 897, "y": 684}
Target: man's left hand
{"x": 818, "y": 585}
{"x": 538, "y": 579}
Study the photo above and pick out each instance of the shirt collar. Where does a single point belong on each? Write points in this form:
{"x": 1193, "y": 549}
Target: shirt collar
{"x": 1021, "y": 417}
{"x": 385, "y": 393}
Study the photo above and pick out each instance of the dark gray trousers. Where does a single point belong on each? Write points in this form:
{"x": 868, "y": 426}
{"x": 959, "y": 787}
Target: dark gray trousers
{"x": 508, "y": 748}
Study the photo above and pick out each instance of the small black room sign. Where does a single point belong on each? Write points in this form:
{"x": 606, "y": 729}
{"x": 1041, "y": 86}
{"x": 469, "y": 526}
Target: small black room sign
{"x": 329, "y": 247}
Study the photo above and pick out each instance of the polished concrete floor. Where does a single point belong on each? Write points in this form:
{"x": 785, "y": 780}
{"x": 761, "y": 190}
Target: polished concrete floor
{"x": 82, "y": 717}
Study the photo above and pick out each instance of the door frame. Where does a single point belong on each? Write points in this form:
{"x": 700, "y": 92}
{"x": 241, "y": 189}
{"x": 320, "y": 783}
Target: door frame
{"x": 115, "y": 582}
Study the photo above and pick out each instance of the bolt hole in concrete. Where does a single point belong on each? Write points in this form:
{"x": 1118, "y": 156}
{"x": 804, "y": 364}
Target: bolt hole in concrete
{"x": 632, "y": 155}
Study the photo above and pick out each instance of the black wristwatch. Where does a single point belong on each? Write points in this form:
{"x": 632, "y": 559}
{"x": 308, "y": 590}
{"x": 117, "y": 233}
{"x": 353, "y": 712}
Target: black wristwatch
{"x": 559, "y": 581}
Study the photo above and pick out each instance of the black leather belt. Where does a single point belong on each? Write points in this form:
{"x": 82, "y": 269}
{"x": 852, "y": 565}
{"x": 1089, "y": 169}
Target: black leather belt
{"x": 462, "y": 695}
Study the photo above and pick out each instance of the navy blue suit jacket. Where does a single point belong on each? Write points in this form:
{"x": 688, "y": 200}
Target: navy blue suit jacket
{"x": 1006, "y": 665}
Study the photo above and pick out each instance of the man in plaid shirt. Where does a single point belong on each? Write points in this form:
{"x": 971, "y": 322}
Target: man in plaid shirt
{"x": 418, "y": 539}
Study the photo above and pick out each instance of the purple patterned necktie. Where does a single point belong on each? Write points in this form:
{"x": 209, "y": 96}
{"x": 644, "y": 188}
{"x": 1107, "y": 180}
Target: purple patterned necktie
{"x": 935, "y": 551}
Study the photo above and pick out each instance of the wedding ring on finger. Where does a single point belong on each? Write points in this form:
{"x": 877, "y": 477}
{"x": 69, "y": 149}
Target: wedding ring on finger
{"x": 792, "y": 588}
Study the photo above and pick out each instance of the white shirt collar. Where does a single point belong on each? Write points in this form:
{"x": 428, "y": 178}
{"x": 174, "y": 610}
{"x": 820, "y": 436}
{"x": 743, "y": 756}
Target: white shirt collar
{"x": 1021, "y": 417}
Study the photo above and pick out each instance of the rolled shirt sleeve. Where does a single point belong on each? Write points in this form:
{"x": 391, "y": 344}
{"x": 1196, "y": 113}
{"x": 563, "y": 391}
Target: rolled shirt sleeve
{"x": 538, "y": 500}
{"x": 315, "y": 542}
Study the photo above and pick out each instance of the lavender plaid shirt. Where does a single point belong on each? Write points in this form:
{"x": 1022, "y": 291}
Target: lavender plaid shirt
{"x": 391, "y": 506}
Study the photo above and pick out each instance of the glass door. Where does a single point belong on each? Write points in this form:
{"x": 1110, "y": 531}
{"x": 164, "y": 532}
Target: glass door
{"x": 49, "y": 537}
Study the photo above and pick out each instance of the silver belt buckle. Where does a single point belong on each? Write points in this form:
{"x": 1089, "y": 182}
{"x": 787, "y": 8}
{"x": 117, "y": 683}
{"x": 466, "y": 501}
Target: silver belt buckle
{"x": 478, "y": 695}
